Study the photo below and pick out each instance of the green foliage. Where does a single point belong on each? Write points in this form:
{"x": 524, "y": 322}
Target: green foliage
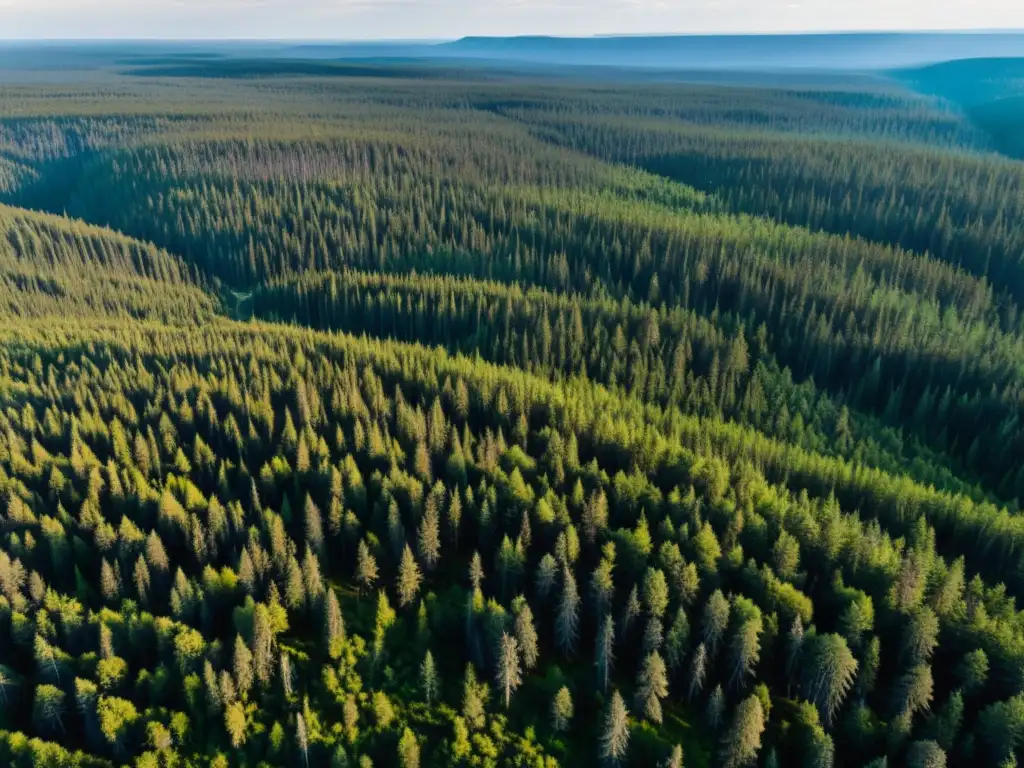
{"x": 557, "y": 428}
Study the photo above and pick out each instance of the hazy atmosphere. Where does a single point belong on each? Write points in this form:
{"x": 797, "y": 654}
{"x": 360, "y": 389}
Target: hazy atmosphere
{"x": 351, "y": 19}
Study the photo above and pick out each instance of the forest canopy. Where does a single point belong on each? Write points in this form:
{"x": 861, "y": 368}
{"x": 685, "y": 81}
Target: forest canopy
{"x": 379, "y": 414}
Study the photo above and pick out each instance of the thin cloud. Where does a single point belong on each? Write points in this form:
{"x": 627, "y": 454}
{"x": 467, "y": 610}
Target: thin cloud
{"x": 391, "y": 19}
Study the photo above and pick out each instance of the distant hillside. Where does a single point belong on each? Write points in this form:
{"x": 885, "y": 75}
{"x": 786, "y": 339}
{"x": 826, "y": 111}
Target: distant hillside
{"x": 824, "y": 51}
{"x": 722, "y": 55}
{"x": 990, "y": 91}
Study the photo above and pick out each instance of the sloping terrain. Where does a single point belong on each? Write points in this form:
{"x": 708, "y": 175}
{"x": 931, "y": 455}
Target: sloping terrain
{"x": 55, "y": 267}
{"x": 384, "y": 420}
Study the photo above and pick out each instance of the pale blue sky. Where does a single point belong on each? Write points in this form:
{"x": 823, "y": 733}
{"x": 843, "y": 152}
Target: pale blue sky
{"x": 375, "y": 19}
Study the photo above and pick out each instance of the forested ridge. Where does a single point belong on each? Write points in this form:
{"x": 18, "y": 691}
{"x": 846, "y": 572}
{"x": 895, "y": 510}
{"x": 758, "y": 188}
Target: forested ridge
{"x": 391, "y": 416}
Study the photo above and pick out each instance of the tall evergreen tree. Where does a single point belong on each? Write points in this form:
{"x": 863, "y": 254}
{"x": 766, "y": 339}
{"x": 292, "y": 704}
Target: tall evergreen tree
{"x": 567, "y": 623}
{"x": 409, "y": 578}
{"x": 561, "y": 710}
{"x": 509, "y": 674}
{"x": 428, "y": 678}
{"x": 615, "y": 737}
{"x": 334, "y": 625}
{"x": 651, "y": 688}
{"x": 742, "y": 742}
{"x": 366, "y": 567}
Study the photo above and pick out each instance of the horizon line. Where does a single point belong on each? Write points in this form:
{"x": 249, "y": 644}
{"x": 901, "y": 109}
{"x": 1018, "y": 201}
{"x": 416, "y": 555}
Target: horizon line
{"x": 532, "y": 36}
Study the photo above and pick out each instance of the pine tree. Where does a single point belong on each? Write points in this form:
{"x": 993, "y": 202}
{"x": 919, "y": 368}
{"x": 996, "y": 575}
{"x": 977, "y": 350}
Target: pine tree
{"x": 366, "y": 567}
{"x": 822, "y": 751}
{"x": 745, "y": 648}
{"x": 509, "y": 674}
{"x": 109, "y": 586}
{"x": 561, "y": 710}
{"x": 615, "y": 738}
{"x": 654, "y": 636}
{"x": 383, "y": 619}
{"x": 430, "y": 537}
{"x": 421, "y": 463}
{"x": 210, "y": 683}
{"x": 242, "y": 666}
{"x": 408, "y": 750}
{"x": 925, "y": 754}
{"x": 408, "y": 583}
{"x": 285, "y": 673}
{"x": 334, "y": 626}
{"x": 604, "y": 651}
{"x": 476, "y": 571}
{"x": 143, "y": 584}
{"x": 567, "y": 624}
{"x": 602, "y": 587}
{"x": 794, "y": 647}
{"x": 454, "y": 519}
{"x": 302, "y": 738}
{"x": 829, "y": 671}
{"x": 474, "y": 700}
{"x": 508, "y": 566}
{"x": 698, "y": 671}
{"x": 630, "y": 613}
{"x": 868, "y": 673}
{"x": 234, "y": 723}
{"x": 295, "y": 587}
{"x": 913, "y": 691}
{"x": 677, "y": 641}
{"x": 314, "y": 527}
{"x": 743, "y": 740}
{"x": 48, "y": 708}
{"x": 547, "y": 573}
{"x": 972, "y": 671}
{"x": 106, "y": 642}
{"x": 651, "y": 688}
{"x": 429, "y": 679}
{"x": 714, "y": 621}
{"x": 716, "y": 708}
{"x": 655, "y": 592}
{"x": 595, "y": 516}
{"x": 920, "y": 637}
{"x": 526, "y": 634}
{"x": 945, "y": 724}
{"x": 50, "y": 660}
{"x": 262, "y": 644}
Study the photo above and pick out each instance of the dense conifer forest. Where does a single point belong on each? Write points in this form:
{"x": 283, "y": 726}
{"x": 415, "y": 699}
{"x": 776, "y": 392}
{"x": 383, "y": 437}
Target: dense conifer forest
{"x": 406, "y": 415}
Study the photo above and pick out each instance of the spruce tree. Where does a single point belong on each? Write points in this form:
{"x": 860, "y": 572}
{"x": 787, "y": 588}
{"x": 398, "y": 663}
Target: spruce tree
{"x": 698, "y": 671}
{"x": 567, "y": 623}
{"x": 430, "y": 537}
{"x": 429, "y": 679}
{"x": 742, "y": 741}
{"x": 651, "y": 688}
{"x": 604, "y": 651}
{"x": 615, "y": 737}
{"x": 334, "y": 625}
{"x": 474, "y": 700}
{"x": 408, "y": 750}
{"x": 409, "y": 578}
{"x": 716, "y": 708}
{"x": 366, "y": 567}
{"x": 561, "y": 710}
{"x": 526, "y": 634}
{"x": 714, "y": 621}
{"x": 509, "y": 674}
